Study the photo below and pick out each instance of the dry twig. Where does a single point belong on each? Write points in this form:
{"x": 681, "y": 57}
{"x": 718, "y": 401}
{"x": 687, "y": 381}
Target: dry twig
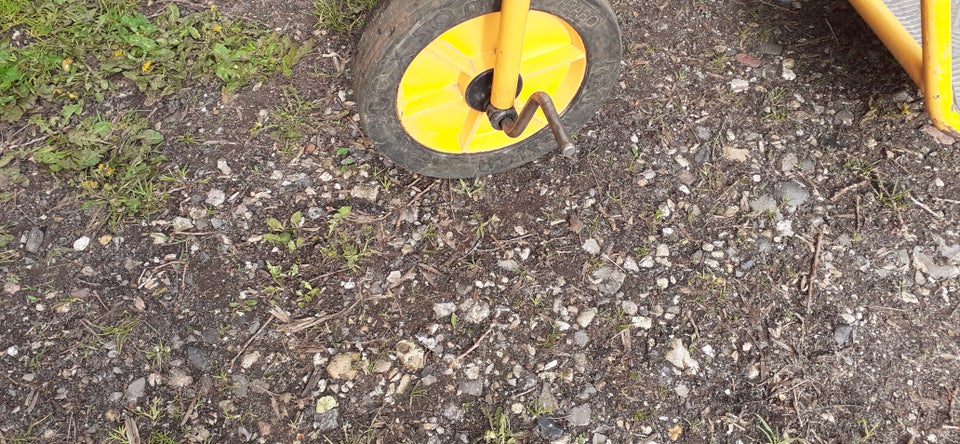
{"x": 473, "y": 347}
{"x": 813, "y": 270}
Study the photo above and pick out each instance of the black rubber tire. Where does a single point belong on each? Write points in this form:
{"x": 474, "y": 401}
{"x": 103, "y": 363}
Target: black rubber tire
{"x": 397, "y": 30}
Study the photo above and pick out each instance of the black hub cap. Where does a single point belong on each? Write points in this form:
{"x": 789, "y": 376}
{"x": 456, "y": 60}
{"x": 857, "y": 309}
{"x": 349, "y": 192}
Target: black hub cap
{"x": 478, "y": 91}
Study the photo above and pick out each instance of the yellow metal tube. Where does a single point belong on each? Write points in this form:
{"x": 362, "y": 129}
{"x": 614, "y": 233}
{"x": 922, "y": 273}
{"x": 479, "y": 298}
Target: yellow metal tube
{"x": 937, "y": 65}
{"x": 506, "y": 71}
{"x": 892, "y": 33}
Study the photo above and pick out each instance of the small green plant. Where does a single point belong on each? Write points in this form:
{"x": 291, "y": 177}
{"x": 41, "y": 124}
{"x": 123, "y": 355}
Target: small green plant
{"x": 867, "y": 430}
{"x": 244, "y": 305}
{"x": 119, "y": 331}
{"x": 161, "y": 438}
{"x": 157, "y": 355}
{"x": 290, "y": 121}
{"x": 893, "y": 196}
{"x": 469, "y": 189}
{"x": 344, "y": 246}
{"x": 772, "y": 436}
{"x": 285, "y": 233}
{"x": 341, "y": 15}
{"x": 500, "y": 431}
{"x": 153, "y": 412}
{"x": 118, "y": 435}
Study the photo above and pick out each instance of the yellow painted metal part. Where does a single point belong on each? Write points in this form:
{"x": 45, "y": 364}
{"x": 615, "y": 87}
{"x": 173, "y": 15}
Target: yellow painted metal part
{"x": 903, "y": 47}
{"x": 430, "y": 97}
{"x": 937, "y": 65}
{"x": 513, "y": 25}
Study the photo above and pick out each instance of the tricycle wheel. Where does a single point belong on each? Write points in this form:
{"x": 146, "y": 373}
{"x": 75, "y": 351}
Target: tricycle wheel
{"x": 420, "y": 60}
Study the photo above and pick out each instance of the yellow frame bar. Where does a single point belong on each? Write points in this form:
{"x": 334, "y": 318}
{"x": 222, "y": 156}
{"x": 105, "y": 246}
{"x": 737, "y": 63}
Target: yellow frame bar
{"x": 892, "y": 33}
{"x": 513, "y": 26}
{"x": 937, "y": 65}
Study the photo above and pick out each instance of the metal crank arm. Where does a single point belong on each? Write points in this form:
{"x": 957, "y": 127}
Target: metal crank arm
{"x": 513, "y": 125}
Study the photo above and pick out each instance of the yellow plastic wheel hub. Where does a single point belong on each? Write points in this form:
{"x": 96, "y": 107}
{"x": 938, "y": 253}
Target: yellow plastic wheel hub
{"x": 430, "y": 98}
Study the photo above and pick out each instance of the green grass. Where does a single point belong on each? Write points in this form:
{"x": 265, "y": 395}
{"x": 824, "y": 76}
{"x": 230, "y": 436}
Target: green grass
{"x": 59, "y": 60}
{"x": 290, "y": 121}
{"x": 341, "y": 15}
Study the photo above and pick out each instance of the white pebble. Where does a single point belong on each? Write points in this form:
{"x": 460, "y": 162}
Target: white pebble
{"x": 81, "y": 244}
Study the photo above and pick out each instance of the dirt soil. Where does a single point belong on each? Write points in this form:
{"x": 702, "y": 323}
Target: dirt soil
{"x": 758, "y": 242}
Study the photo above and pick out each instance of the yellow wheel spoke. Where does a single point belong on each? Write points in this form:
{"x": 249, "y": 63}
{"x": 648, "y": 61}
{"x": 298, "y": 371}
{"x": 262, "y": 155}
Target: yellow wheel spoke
{"x": 559, "y": 57}
{"x": 469, "y": 130}
{"x": 452, "y": 57}
{"x": 431, "y": 100}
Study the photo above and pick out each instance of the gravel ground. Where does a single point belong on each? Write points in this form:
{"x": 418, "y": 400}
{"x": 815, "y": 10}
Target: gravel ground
{"x": 757, "y": 243}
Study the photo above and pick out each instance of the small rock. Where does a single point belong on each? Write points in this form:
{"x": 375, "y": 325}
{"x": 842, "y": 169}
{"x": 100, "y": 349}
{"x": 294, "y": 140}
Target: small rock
{"x": 508, "y": 265}
{"x": 411, "y": 355}
{"x": 366, "y": 191}
{"x": 326, "y": 404}
{"x": 703, "y": 133}
{"x": 682, "y": 391}
{"x": 735, "y": 154}
{"x": 792, "y": 194}
{"x": 643, "y": 322}
{"x": 579, "y": 416}
{"x": 179, "y": 379}
{"x": 216, "y": 197}
{"x": 548, "y": 429}
{"x": 926, "y": 264}
{"x": 11, "y": 287}
{"x": 223, "y": 167}
{"x": 34, "y": 240}
{"x": 739, "y": 85}
{"x": 610, "y": 279}
{"x": 181, "y": 224}
{"x": 249, "y": 359}
{"x": 444, "y": 309}
{"x": 841, "y": 334}
{"x": 13, "y": 351}
{"x": 472, "y": 388}
{"x": 327, "y": 421}
{"x": 785, "y": 228}
{"x": 136, "y": 390}
{"x": 453, "y": 412}
{"x": 679, "y": 356}
{"x": 788, "y": 74}
{"x": 581, "y": 338}
{"x": 586, "y": 317}
{"x": 763, "y": 204}
{"x": 630, "y": 264}
{"x": 341, "y": 366}
{"x": 198, "y": 359}
{"x": 770, "y": 49}
{"x": 81, "y": 244}
{"x": 789, "y": 162}
{"x": 591, "y": 246}
{"x": 844, "y": 118}
{"x": 475, "y": 311}
{"x": 940, "y": 136}
{"x": 749, "y": 60}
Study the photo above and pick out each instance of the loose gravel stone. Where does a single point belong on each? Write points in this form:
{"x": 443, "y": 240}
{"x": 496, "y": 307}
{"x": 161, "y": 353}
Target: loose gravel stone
{"x": 411, "y": 355}
{"x": 34, "y": 240}
{"x": 216, "y": 197}
{"x": 842, "y": 333}
{"x": 547, "y": 428}
{"x": 444, "y": 309}
{"x": 341, "y": 366}
{"x": 591, "y": 246}
{"x": 611, "y": 279}
{"x": 472, "y": 387}
{"x": 581, "y": 338}
{"x": 739, "y": 85}
{"x": 249, "y": 359}
{"x": 763, "y": 204}
{"x": 179, "y": 379}
{"x": 198, "y": 359}
{"x": 579, "y": 416}
{"x": 586, "y": 317}
{"x": 475, "y": 311}
{"x": 793, "y": 194}
{"x": 136, "y": 390}
{"x": 326, "y": 404}
{"x": 81, "y": 243}
{"x": 679, "y": 356}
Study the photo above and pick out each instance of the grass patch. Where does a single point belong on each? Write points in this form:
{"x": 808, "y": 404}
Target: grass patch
{"x": 59, "y": 60}
{"x": 290, "y": 121}
{"x": 341, "y": 15}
